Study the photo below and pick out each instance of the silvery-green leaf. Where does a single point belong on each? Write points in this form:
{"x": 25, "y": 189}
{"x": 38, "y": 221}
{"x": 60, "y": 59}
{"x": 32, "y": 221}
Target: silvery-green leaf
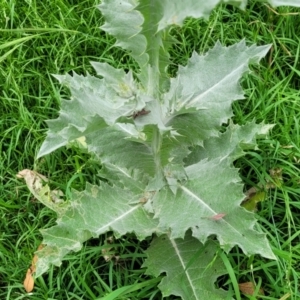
{"x": 94, "y": 105}
{"x": 243, "y": 3}
{"x": 212, "y": 90}
{"x": 230, "y": 144}
{"x": 295, "y": 3}
{"x": 191, "y": 268}
{"x": 94, "y": 211}
{"x": 208, "y": 202}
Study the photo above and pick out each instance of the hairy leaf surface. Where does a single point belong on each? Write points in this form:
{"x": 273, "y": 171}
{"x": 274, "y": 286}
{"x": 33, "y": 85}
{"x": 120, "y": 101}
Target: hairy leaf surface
{"x": 94, "y": 105}
{"x": 92, "y": 212}
{"x": 142, "y": 28}
{"x": 191, "y": 268}
{"x": 212, "y": 90}
{"x": 230, "y": 144}
{"x": 165, "y": 164}
{"x": 243, "y": 3}
{"x": 212, "y": 188}
{"x": 173, "y": 141}
{"x": 285, "y": 3}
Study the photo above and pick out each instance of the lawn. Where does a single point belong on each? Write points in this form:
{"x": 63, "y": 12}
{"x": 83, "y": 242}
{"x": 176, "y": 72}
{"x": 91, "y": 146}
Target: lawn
{"x": 40, "y": 38}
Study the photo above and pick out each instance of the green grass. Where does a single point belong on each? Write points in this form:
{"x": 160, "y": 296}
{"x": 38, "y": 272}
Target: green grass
{"x": 40, "y": 38}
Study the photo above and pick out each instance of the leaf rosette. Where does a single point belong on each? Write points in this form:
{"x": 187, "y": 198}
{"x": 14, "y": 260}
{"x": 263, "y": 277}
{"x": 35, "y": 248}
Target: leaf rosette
{"x": 168, "y": 167}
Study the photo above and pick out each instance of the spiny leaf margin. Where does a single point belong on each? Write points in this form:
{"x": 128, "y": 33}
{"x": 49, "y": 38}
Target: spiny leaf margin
{"x": 193, "y": 270}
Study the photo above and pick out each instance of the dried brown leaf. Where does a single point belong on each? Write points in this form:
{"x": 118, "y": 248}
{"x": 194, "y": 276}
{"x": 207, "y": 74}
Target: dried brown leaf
{"x": 35, "y": 259}
{"x": 37, "y": 184}
{"x": 248, "y": 288}
{"x": 109, "y": 253}
{"x": 29, "y": 281}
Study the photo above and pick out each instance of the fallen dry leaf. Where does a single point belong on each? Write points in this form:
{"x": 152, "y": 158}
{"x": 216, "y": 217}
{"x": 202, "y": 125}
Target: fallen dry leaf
{"x": 248, "y": 288}
{"x": 29, "y": 281}
{"x": 276, "y": 175}
{"x": 33, "y": 178}
{"x": 109, "y": 253}
{"x": 37, "y": 184}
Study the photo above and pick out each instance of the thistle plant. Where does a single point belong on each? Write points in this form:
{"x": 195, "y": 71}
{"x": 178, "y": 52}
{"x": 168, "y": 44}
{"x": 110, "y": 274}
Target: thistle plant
{"x": 166, "y": 147}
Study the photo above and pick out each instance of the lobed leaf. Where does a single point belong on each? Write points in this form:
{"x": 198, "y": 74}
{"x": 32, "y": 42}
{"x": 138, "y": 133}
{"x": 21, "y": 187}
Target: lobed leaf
{"x": 95, "y": 104}
{"x": 212, "y": 90}
{"x": 230, "y": 144}
{"x": 191, "y": 268}
{"x": 212, "y": 188}
{"x": 92, "y": 212}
